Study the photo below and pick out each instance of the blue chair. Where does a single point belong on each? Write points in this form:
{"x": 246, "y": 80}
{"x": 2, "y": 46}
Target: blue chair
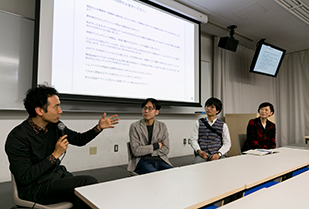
{"x": 265, "y": 185}
{"x": 299, "y": 171}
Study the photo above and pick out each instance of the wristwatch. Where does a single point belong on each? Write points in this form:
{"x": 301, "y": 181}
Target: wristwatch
{"x": 219, "y": 153}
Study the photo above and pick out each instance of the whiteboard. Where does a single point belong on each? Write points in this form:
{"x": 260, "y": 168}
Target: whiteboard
{"x": 16, "y": 54}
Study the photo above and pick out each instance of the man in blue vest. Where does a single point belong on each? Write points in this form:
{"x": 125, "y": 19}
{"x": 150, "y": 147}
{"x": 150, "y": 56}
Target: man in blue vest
{"x": 210, "y": 137}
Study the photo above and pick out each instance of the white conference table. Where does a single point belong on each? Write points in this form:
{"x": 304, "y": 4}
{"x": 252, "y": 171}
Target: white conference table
{"x": 289, "y": 194}
{"x": 253, "y": 170}
{"x": 298, "y": 146}
{"x": 195, "y": 185}
{"x": 173, "y": 188}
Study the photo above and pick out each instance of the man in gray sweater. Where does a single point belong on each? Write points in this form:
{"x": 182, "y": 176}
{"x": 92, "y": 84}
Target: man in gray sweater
{"x": 149, "y": 141}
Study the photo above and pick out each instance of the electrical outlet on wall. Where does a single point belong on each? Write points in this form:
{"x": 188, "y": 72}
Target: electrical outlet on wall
{"x": 116, "y": 148}
{"x": 189, "y": 141}
{"x": 93, "y": 150}
{"x": 184, "y": 141}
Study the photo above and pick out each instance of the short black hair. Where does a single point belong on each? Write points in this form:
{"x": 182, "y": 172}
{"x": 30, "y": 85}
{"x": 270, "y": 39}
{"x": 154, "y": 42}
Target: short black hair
{"x": 214, "y": 101}
{"x": 37, "y": 97}
{"x": 265, "y": 104}
{"x": 154, "y": 102}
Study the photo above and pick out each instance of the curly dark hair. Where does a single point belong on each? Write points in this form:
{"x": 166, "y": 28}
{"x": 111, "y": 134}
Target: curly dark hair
{"x": 37, "y": 97}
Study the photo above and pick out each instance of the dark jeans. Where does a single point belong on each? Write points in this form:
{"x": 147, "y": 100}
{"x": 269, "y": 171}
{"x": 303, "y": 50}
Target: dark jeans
{"x": 62, "y": 190}
{"x": 151, "y": 165}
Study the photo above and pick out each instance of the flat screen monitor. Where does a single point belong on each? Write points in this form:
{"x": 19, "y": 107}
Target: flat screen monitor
{"x": 267, "y": 59}
{"x": 117, "y": 51}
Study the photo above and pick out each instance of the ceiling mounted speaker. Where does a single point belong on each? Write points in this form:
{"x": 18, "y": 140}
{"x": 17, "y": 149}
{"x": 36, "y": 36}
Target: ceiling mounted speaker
{"x": 229, "y": 43}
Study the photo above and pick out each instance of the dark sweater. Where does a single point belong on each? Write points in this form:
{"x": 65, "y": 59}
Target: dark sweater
{"x": 30, "y": 158}
{"x": 259, "y": 137}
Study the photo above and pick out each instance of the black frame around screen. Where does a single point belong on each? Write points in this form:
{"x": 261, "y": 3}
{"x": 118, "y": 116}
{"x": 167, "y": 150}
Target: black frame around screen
{"x": 257, "y": 53}
{"x": 101, "y": 99}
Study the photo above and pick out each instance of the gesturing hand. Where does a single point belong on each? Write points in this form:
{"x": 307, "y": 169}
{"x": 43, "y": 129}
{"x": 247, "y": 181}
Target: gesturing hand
{"x": 107, "y": 122}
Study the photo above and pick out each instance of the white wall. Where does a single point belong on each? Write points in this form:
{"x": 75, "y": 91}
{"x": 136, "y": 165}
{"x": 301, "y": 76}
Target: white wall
{"x": 76, "y": 159}
{"x": 79, "y": 158}
{"x": 179, "y": 127}
{"x": 24, "y": 8}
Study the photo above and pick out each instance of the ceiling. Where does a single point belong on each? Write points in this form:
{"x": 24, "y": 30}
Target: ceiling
{"x": 255, "y": 20}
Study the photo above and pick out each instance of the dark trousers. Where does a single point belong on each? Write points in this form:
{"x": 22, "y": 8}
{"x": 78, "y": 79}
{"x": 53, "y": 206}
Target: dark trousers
{"x": 61, "y": 190}
{"x": 151, "y": 165}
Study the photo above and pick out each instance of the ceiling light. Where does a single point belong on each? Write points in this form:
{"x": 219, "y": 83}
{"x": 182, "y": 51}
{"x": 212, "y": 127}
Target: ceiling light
{"x": 297, "y": 8}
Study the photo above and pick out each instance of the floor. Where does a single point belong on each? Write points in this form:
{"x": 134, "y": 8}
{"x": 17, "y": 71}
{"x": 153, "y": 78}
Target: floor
{"x": 103, "y": 175}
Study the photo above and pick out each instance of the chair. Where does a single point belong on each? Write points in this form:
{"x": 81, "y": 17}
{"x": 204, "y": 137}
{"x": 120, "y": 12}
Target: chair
{"x": 130, "y": 155}
{"x": 29, "y": 204}
{"x": 241, "y": 141}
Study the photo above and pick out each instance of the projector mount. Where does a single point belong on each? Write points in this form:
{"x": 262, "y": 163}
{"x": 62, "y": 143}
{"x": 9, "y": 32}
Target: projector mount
{"x": 231, "y": 28}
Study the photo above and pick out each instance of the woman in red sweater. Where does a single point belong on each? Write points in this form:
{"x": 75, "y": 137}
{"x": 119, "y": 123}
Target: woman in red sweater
{"x": 261, "y": 133}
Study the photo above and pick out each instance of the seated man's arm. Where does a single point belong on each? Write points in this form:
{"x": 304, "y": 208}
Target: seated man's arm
{"x": 226, "y": 140}
{"x": 81, "y": 139}
{"x": 162, "y": 139}
{"x": 138, "y": 143}
{"x": 194, "y": 141}
{"x": 194, "y": 137}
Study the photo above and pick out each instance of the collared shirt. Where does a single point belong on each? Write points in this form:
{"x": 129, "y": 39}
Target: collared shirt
{"x": 35, "y": 127}
{"x": 225, "y": 137}
{"x": 37, "y": 130}
{"x": 30, "y": 156}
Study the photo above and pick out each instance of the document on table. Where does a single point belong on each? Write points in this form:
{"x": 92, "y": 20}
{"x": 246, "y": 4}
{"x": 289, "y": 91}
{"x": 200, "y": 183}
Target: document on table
{"x": 260, "y": 152}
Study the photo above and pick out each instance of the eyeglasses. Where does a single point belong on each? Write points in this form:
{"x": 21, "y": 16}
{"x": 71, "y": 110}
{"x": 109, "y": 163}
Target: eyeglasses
{"x": 148, "y": 108}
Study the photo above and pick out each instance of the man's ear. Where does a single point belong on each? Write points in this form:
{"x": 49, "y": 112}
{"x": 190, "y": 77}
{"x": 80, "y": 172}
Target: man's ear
{"x": 157, "y": 112}
{"x": 39, "y": 111}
